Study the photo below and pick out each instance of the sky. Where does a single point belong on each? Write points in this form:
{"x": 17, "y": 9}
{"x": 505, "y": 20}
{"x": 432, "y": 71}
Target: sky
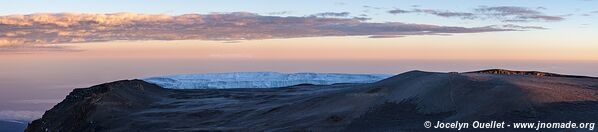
{"x": 547, "y": 20}
{"x": 578, "y": 17}
{"x": 574, "y": 11}
{"x": 295, "y": 8}
{"x": 47, "y": 48}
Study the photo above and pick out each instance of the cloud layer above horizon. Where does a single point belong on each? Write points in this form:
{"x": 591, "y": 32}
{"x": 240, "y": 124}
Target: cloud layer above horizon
{"x": 502, "y": 13}
{"x": 78, "y": 27}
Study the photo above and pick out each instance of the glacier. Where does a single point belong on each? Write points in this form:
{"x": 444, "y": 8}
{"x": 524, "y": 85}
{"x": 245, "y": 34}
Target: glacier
{"x": 258, "y": 79}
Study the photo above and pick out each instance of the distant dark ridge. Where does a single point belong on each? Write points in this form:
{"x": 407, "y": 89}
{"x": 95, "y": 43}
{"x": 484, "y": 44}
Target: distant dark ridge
{"x": 529, "y": 73}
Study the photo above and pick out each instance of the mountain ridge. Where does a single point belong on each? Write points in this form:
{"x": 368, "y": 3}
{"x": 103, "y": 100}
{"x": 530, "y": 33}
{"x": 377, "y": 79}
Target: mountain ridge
{"x": 399, "y": 103}
{"x": 534, "y": 73}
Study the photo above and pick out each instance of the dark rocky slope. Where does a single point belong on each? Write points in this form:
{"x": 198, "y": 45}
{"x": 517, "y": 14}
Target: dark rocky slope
{"x": 98, "y": 107}
{"x": 399, "y": 103}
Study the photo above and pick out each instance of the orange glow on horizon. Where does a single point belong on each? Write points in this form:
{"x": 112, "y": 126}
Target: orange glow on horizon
{"x": 459, "y": 47}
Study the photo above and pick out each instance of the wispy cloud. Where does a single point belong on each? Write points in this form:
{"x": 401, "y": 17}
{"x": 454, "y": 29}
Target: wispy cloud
{"x": 69, "y": 28}
{"x": 279, "y": 13}
{"x": 367, "y": 8}
{"x": 502, "y": 13}
{"x": 399, "y": 11}
{"x": 516, "y": 14}
{"x": 362, "y": 18}
{"x": 518, "y": 27}
{"x": 26, "y": 48}
{"x": 372, "y": 7}
{"x": 20, "y": 115}
{"x": 332, "y": 14}
{"x": 37, "y": 101}
{"x": 463, "y": 15}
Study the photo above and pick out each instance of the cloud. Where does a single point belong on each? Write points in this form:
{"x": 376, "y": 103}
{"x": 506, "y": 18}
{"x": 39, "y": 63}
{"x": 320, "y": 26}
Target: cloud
{"x": 331, "y": 14}
{"x": 37, "y": 101}
{"x": 372, "y": 7}
{"x": 516, "y": 14}
{"x": 36, "y": 29}
{"x": 463, "y": 15}
{"x": 20, "y": 115}
{"x": 30, "y": 48}
{"x": 399, "y": 11}
{"x": 362, "y": 18}
{"x": 279, "y": 13}
{"x": 367, "y": 9}
{"x": 507, "y": 10}
{"x": 502, "y": 13}
{"x": 517, "y": 27}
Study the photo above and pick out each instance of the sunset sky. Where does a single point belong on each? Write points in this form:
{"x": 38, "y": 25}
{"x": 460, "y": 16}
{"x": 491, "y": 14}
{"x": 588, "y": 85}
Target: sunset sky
{"x": 47, "y": 48}
{"x": 575, "y": 12}
{"x": 537, "y": 30}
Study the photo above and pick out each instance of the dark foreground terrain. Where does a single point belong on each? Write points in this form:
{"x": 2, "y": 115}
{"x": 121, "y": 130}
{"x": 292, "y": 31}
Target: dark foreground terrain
{"x": 400, "y": 103}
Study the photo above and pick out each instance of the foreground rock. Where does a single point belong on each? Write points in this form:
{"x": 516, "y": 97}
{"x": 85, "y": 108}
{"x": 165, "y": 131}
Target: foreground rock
{"x": 400, "y": 103}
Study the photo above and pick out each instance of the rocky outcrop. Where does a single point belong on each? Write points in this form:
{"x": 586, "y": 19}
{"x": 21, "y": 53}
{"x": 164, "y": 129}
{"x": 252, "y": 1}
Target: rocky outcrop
{"x": 531, "y": 73}
{"x": 83, "y": 108}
